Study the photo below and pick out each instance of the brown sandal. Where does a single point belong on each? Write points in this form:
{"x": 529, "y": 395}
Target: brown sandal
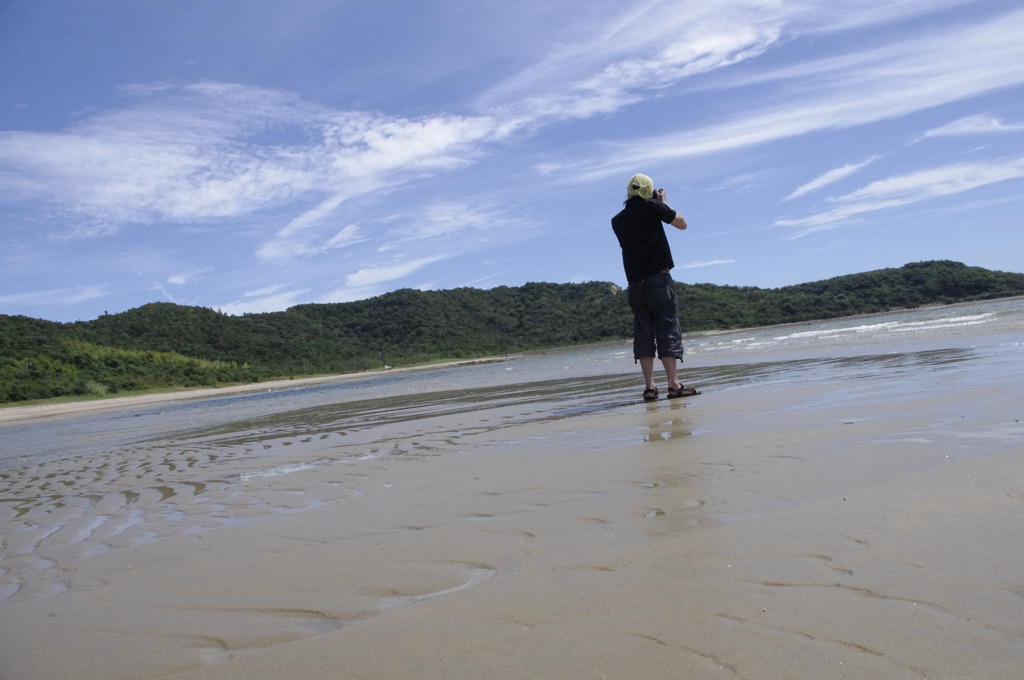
{"x": 651, "y": 394}
{"x": 683, "y": 391}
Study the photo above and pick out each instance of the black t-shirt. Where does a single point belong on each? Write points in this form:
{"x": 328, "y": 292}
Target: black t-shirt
{"x": 642, "y": 237}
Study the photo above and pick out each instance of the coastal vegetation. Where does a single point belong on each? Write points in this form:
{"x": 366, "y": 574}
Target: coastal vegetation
{"x": 164, "y": 345}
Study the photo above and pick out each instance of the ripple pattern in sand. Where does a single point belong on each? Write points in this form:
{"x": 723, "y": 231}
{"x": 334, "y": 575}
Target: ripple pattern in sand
{"x": 180, "y": 479}
{"x": 60, "y": 511}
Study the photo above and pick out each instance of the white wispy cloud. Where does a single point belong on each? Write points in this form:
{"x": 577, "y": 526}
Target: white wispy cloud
{"x": 374, "y": 276}
{"x": 645, "y": 48}
{"x": 372, "y": 280}
{"x": 619, "y": 54}
{"x": 706, "y": 263}
{"x": 441, "y": 221}
{"x": 902, "y": 190}
{"x": 162, "y": 289}
{"x": 974, "y": 125}
{"x": 211, "y": 151}
{"x": 57, "y": 296}
{"x": 838, "y": 16}
{"x": 830, "y": 177}
{"x": 346, "y": 238}
{"x": 272, "y": 299}
{"x": 186, "y": 278}
{"x": 878, "y": 83}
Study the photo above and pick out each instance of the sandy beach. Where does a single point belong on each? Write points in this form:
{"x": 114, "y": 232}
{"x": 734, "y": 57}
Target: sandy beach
{"x": 16, "y": 413}
{"x": 799, "y": 532}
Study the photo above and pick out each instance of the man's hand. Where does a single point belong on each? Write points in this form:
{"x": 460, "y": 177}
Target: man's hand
{"x": 660, "y": 195}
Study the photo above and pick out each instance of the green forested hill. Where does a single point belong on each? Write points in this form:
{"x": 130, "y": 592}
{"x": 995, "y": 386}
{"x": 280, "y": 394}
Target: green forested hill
{"x": 167, "y": 345}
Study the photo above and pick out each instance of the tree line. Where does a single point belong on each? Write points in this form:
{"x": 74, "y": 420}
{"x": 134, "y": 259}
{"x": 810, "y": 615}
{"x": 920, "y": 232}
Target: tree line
{"x": 163, "y": 345}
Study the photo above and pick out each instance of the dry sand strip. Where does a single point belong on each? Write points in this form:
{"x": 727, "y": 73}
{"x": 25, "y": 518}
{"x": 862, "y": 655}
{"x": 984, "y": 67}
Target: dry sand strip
{"x": 816, "y": 534}
{"x": 14, "y": 413}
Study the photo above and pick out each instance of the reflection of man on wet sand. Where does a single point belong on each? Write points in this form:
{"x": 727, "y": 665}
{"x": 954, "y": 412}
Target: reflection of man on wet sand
{"x": 647, "y": 259}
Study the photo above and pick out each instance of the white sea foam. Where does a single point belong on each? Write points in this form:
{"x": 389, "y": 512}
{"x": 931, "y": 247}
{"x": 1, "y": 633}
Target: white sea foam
{"x": 275, "y": 472}
{"x": 892, "y": 327}
{"x": 844, "y": 334}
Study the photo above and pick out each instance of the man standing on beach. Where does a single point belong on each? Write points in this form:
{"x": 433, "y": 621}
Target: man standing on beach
{"x": 647, "y": 259}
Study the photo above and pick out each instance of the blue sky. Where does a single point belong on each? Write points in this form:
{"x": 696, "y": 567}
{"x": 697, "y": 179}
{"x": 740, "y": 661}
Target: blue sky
{"x": 251, "y": 155}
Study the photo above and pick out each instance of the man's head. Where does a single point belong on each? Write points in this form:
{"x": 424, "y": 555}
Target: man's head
{"x": 640, "y": 185}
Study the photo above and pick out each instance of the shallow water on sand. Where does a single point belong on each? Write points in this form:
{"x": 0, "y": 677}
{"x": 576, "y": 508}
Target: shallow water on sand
{"x": 78, "y": 486}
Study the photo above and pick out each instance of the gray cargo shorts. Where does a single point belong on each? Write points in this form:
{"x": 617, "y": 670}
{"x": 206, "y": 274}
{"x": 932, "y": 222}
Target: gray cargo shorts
{"x": 655, "y": 317}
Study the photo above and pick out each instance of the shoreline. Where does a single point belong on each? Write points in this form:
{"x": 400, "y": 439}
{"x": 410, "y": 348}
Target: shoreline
{"x": 29, "y": 412}
{"x": 21, "y": 413}
{"x": 864, "y": 315}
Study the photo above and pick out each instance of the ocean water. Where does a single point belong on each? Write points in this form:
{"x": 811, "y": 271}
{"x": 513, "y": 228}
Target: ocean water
{"x": 78, "y": 485}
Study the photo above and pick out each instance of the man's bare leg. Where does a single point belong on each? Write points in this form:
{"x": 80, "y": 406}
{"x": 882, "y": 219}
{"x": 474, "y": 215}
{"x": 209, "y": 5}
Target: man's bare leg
{"x": 647, "y": 367}
{"x": 671, "y": 372}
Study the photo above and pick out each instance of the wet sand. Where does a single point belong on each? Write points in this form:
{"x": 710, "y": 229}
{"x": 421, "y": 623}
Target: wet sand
{"x": 18, "y": 413}
{"x": 778, "y": 532}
